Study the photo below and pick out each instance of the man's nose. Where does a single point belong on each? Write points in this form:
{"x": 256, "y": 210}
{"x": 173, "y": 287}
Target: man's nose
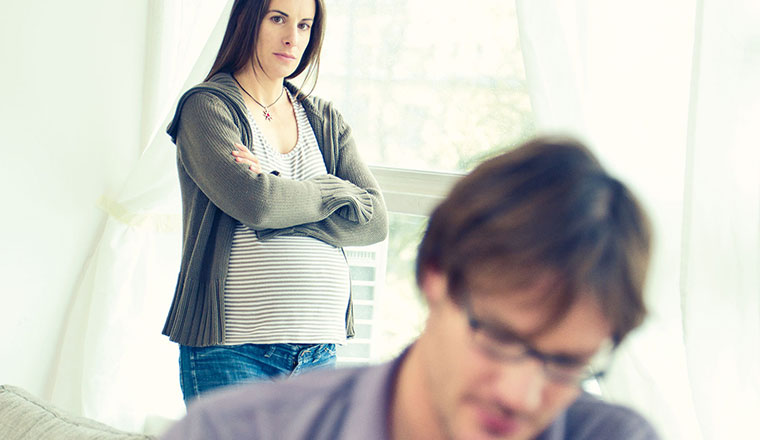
{"x": 520, "y": 385}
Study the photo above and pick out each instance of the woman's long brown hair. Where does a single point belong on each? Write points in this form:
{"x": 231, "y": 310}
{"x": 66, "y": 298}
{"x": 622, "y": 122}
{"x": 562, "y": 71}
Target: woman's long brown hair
{"x": 242, "y": 34}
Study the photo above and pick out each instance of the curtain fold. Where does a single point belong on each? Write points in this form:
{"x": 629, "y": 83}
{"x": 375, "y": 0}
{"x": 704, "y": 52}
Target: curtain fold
{"x": 549, "y": 39}
{"x": 114, "y": 365}
{"x": 667, "y": 95}
{"x": 720, "y": 272}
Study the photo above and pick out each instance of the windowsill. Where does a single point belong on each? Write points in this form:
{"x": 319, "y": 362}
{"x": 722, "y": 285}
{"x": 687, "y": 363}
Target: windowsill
{"x": 413, "y": 192}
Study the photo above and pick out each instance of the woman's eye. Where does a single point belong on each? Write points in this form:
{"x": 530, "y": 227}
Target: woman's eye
{"x": 278, "y": 19}
{"x": 304, "y": 26}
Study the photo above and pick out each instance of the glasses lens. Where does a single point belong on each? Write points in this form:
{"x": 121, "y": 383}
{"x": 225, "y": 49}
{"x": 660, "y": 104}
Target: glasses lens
{"x": 505, "y": 346}
{"x": 499, "y": 349}
{"x": 571, "y": 372}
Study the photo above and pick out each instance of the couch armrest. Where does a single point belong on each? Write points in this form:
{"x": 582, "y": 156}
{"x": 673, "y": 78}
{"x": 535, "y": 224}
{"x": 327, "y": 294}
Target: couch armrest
{"x": 25, "y": 417}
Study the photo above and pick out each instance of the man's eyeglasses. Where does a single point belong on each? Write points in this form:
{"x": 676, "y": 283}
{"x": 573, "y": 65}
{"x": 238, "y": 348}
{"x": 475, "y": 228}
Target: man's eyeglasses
{"x": 505, "y": 345}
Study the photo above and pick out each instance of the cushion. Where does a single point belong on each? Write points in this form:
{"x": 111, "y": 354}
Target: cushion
{"x": 25, "y": 417}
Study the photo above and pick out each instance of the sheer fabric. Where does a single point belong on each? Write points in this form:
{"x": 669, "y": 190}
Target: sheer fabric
{"x": 666, "y": 93}
{"x": 114, "y": 365}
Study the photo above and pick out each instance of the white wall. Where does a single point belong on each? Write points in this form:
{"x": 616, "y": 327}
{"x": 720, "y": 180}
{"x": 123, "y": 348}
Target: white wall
{"x": 70, "y": 112}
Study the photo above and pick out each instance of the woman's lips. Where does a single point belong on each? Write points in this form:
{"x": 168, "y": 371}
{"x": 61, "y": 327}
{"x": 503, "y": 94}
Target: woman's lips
{"x": 285, "y": 56}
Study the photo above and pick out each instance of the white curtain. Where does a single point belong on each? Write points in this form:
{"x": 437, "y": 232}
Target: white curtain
{"x": 721, "y": 225}
{"x": 668, "y": 95}
{"x": 114, "y": 365}
{"x": 666, "y": 92}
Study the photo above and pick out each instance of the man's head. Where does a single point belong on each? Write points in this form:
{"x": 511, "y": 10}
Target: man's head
{"x": 532, "y": 267}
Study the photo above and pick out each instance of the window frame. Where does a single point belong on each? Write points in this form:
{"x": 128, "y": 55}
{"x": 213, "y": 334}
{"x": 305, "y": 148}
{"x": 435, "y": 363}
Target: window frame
{"x": 413, "y": 192}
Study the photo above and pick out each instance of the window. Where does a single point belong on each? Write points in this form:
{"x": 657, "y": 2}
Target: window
{"x": 430, "y": 89}
{"x": 427, "y": 85}
{"x": 388, "y": 310}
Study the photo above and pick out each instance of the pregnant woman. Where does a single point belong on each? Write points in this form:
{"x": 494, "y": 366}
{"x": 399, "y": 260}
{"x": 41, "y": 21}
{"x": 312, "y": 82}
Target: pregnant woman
{"x": 272, "y": 189}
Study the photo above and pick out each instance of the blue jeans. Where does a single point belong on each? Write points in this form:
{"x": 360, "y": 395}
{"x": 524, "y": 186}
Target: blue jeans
{"x": 202, "y": 369}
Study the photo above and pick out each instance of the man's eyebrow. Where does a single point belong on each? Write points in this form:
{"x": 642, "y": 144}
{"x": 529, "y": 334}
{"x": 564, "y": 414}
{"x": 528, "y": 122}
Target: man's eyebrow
{"x": 572, "y": 356}
{"x": 504, "y": 332}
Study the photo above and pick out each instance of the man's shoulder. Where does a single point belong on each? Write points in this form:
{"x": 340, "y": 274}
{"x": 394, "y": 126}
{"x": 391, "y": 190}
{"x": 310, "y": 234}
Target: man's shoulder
{"x": 315, "y": 405}
{"x": 592, "y": 418}
{"x": 294, "y": 394}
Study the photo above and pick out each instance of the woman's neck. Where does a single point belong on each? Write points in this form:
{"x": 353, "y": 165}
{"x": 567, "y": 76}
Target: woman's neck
{"x": 263, "y": 88}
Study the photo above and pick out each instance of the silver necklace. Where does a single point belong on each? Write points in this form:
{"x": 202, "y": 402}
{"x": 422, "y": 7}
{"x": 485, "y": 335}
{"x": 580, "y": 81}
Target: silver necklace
{"x": 266, "y": 113}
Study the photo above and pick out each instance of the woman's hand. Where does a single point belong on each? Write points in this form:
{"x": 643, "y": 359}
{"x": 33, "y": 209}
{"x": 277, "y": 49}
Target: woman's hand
{"x": 243, "y": 155}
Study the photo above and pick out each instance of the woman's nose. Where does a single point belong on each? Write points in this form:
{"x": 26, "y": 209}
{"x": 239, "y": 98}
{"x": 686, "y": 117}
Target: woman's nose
{"x": 290, "y": 36}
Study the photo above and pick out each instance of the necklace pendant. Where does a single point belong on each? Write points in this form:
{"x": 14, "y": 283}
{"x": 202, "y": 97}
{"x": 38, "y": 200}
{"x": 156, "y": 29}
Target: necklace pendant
{"x": 266, "y": 114}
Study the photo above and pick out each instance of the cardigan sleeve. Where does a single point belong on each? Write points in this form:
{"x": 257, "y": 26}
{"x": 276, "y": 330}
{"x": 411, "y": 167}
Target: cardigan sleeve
{"x": 361, "y": 223}
{"x": 206, "y": 133}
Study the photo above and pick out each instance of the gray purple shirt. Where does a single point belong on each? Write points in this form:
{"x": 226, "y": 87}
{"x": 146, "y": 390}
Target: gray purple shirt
{"x": 353, "y": 403}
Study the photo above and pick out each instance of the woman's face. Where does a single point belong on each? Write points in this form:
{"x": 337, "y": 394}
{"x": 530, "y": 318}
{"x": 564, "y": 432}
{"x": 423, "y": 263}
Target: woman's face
{"x": 283, "y": 36}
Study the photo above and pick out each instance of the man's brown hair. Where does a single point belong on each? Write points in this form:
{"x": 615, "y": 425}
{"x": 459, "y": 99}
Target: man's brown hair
{"x": 547, "y": 207}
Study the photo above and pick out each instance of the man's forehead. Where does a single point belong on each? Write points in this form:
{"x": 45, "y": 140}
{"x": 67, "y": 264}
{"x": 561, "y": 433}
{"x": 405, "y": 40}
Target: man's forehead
{"x": 540, "y": 309}
{"x": 524, "y": 289}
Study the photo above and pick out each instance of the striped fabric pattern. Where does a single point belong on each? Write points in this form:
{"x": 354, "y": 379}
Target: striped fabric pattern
{"x": 286, "y": 289}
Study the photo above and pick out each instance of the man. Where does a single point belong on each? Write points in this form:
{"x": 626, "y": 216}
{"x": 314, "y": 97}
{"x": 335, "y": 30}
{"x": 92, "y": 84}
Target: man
{"x": 533, "y": 269}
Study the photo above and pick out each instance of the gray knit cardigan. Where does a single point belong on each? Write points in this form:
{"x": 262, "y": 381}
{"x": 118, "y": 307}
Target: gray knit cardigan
{"x": 343, "y": 208}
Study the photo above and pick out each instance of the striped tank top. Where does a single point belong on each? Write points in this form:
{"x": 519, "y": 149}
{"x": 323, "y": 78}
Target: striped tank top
{"x": 286, "y": 289}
